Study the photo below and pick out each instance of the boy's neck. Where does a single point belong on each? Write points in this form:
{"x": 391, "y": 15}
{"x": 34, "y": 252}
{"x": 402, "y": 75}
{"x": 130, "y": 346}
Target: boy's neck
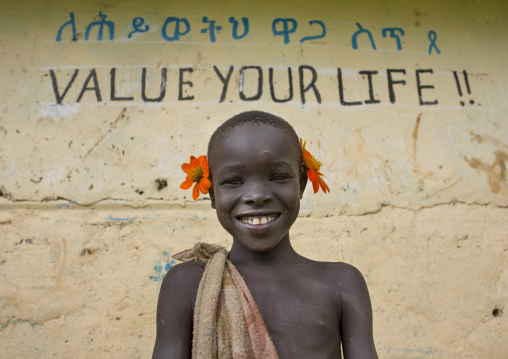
{"x": 282, "y": 253}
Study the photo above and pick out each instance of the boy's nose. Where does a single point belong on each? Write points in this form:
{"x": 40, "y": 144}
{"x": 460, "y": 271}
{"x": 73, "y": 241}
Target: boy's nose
{"x": 257, "y": 195}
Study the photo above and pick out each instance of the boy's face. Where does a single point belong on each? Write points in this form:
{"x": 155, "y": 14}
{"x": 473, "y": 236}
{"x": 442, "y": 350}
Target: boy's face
{"x": 256, "y": 185}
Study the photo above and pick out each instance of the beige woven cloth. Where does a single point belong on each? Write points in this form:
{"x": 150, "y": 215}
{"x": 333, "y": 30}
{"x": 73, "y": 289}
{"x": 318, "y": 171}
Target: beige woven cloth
{"x": 227, "y": 322}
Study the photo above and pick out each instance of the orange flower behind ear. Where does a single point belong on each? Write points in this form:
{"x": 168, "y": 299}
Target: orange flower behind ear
{"x": 197, "y": 172}
{"x": 312, "y": 166}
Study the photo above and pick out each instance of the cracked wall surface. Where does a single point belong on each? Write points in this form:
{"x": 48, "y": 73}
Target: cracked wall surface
{"x": 413, "y": 140}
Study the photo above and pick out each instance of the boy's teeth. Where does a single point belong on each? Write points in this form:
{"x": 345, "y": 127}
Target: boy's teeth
{"x": 257, "y": 220}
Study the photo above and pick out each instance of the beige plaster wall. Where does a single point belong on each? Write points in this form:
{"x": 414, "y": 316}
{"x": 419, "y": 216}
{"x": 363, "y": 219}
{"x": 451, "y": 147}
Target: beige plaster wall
{"x": 90, "y": 205}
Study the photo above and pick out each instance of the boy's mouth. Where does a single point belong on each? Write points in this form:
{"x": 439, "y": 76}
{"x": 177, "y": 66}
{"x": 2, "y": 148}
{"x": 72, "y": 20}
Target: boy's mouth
{"x": 258, "y": 220}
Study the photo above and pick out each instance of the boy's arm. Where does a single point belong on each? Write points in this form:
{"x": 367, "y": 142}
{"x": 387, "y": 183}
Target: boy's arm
{"x": 175, "y": 311}
{"x": 356, "y": 317}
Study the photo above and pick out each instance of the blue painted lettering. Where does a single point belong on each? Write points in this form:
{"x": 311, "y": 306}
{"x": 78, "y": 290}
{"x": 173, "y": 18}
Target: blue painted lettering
{"x": 235, "y": 23}
{"x": 177, "y": 33}
{"x": 432, "y": 37}
{"x": 72, "y": 23}
{"x": 286, "y": 28}
{"x": 320, "y": 36}
{"x": 393, "y": 34}
{"x": 101, "y": 23}
{"x": 137, "y": 22}
{"x": 360, "y": 31}
{"x": 210, "y": 28}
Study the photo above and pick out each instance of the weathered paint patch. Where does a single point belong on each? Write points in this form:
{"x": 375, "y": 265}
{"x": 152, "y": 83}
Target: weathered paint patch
{"x": 161, "y": 267}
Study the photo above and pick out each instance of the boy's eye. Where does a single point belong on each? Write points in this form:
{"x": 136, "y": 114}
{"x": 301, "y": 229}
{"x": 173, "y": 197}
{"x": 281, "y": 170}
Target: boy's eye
{"x": 280, "y": 177}
{"x": 232, "y": 181}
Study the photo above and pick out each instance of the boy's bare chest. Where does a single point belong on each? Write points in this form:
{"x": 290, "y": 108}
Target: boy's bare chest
{"x": 301, "y": 310}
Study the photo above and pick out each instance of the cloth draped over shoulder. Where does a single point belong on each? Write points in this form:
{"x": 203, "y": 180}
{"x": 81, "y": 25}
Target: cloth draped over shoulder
{"x": 227, "y": 322}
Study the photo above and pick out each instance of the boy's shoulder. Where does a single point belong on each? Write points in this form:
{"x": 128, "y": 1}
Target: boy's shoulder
{"x": 338, "y": 268}
{"x": 185, "y": 272}
{"x": 177, "y": 299}
{"x": 333, "y": 270}
{"x": 183, "y": 277}
{"x": 339, "y": 275}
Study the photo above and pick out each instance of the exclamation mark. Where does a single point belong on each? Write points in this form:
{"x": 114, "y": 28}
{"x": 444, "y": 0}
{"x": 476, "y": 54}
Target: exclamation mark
{"x": 471, "y": 102}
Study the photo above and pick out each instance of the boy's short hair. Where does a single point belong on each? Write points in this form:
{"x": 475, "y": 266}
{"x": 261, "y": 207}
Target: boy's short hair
{"x": 255, "y": 118}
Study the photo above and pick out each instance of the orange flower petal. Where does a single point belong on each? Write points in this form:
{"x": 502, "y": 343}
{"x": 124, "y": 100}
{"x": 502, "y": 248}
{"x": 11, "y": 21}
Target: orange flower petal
{"x": 195, "y": 192}
{"x": 305, "y": 153}
{"x": 313, "y": 176}
{"x": 187, "y": 183}
{"x": 323, "y": 185}
{"x": 204, "y": 166}
{"x": 205, "y": 185}
{"x": 194, "y": 162}
{"x": 308, "y": 162}
{"x": 186, "y": 168}
{"x": 315, "y": 186}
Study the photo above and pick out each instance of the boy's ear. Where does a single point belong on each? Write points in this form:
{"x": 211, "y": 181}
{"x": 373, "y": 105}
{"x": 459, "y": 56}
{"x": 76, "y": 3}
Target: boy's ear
{"x": 212, "y": 197}
{"x": 303, "y": 183}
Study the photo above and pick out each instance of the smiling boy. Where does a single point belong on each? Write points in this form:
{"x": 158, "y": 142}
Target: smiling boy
{"x": 309, "y": 309}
